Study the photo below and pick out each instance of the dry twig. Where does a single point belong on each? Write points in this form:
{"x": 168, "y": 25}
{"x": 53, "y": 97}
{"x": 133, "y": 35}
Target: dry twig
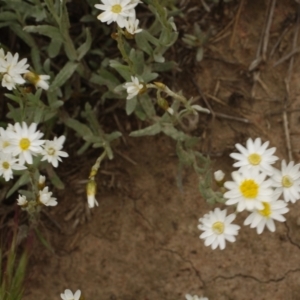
{"x": 287, "y": 84}
{"x": 237, "y": 17}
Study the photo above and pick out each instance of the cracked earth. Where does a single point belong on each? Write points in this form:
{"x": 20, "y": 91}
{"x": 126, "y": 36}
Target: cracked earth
{"x": 142, "y": 242}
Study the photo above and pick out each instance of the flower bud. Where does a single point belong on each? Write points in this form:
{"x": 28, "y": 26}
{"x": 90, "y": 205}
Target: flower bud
{"x": 219, "y": 177}
{"x": 42, "y": 180}
{"x": 91, "y": 189}
{"x": 160, "y": 85}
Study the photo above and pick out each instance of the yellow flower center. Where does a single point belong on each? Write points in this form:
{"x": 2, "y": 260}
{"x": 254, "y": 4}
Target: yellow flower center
{"x": 266, "y": 211}
{"x": 5, "y": 165}
{"x": 24, "y": 144}
{"x": 287, "y": 181}
{"x": 117, "y": 8}
{"x": 218, "y": 227}
{"x": 254, "y": 159}
{"x": 51, "y": 151}
{"x": 249, "y": 188}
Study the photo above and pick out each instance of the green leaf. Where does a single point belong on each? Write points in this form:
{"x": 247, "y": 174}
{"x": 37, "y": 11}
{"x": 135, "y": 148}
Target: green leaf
{"x": 83, "y": 130}
{"x": 43, "y": 240}
{"x": 54, "y": 47}
{"x": 88, "y": 18}
{"x": 64, "y": 25}
{"x": 147, "y": 104}
{"x": 148, "y": 76}
{"x": 7, "y": 16}
{"x": 46, "y": 30}
{"x": 108, "y": 151}
{"x": 54, "y": 178}
{"x": 83, "y": 148}
{"x": 14, "y": 98}
{"x": 185, "y": 157}
{"x": 36, "y": 59}
{"x": 85, "y": 47}
{"x": 175, "y": 134}
{"x": 25, "y": 36}
{"x": 131, "y": 105}
{"x": 163, "y": 67}
{"x": 104, "y": 77}
{"x": 151, "y": 130}
{"x": 200, "y": 53}
{"x": 137, "y": 57}
{"x": 143, "y": 43}
{"x": 57, "y": 104}
{"x": 113, "y": 136}
{"x": 123, "y": 70}
{"x": 64, "y": 74}
{"x": 24, "y": 179}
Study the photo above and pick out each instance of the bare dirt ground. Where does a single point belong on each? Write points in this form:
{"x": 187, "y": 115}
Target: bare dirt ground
{"x": 142, "y": 241}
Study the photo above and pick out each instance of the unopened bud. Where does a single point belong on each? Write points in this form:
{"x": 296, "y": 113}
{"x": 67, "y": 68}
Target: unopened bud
{"x": 31, "y": 77}
{"x": 91, "y": 189}
{"x": 114, "y": 35}
{"x": 128, "y": 35}
{"x": 219, "y": 177}
{"x": 42, "y": 180}
{"x": 160, "y": 85}
{"x": 163, "y": 103}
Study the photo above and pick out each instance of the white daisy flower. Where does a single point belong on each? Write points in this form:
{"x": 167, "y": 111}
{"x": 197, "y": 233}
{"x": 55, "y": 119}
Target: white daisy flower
{"x": 68, "y": 295}
{"x": 195, "y": 297}
{"x": 2, "y": 53}
{"x": 218, "y": 228}
{"x": 132, "y": 26}
{"x": 4, "y": 139}
{"x": 39, "y": 81}
{"x": 22, "y": 200}
{"x": 248, "y": 190}
{"x": 287, "y": 181}
{"x": 12, "y": 70}
{"x": 255, "y": 156}
{"x": 91, "y": 189}
{"x": 45, "y": 197}
{"x": 116, "y": 11}
{"x": 133, "y": 88}
{"x": 25, "y": 142}
{"x": 272, "y": 211}
{"x": 8, "y": 163}
{"x": 52, "y": 150}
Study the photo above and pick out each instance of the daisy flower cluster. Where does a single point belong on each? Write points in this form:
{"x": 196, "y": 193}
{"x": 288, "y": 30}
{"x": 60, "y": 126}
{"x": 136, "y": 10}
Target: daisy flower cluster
{"x": 256, "y": 187}
{"x": 122, "y": 12}
{"x": 44, "y": 197}
{"x": 14, "y": 72}
{"x": 19, "y": 144}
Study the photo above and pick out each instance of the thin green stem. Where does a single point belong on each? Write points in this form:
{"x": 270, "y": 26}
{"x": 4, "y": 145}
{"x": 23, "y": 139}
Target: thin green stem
{"x": 121, "y": 47}
{"x": 96, "y": 166}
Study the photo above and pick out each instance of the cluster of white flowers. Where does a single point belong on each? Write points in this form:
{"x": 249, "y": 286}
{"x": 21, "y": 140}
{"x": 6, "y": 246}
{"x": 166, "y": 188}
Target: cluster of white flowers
{"x": 44, "y": 197}
{"x": 255, "y": 187}
{"x": 14, "y": 72}
{"x": 120, "y": 11}
{"x": 19, "y": 143}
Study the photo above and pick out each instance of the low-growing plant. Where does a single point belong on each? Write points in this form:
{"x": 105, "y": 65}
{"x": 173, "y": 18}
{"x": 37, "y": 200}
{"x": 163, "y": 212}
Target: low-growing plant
{"x": 57, "y": 77}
